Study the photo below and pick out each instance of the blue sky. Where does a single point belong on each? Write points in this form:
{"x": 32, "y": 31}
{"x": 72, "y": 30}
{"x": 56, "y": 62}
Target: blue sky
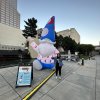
{"x": 83, "y": 15}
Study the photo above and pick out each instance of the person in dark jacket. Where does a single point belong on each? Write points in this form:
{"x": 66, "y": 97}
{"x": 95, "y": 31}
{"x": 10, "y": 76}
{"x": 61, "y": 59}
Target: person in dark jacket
{"x": 59, "y": 65}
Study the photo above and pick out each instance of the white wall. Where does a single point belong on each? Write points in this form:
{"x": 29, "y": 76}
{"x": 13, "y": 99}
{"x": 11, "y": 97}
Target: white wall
{"x": 10, "y": 36}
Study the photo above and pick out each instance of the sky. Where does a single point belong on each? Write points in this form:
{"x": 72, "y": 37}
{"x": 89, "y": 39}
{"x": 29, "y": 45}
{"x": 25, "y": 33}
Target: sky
{"x": 83, "y": 15}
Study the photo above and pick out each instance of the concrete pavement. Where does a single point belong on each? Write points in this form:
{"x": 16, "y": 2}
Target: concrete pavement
{"x": 8, "y": 83}
{"x": 77, "y": 83}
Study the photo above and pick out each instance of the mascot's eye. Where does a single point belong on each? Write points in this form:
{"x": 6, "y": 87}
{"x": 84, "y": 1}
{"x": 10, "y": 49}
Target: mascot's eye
{"x": 44, "y": 32}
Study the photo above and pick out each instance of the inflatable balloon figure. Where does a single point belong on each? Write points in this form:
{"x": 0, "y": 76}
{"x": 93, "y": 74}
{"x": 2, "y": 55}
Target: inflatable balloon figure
{"x": 46, "y": 50}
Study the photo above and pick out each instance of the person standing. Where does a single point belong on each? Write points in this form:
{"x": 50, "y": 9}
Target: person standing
{"x": 59, "y": 65}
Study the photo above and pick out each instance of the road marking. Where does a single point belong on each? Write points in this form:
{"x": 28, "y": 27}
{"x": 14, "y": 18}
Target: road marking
{"x": 37, "y": 87}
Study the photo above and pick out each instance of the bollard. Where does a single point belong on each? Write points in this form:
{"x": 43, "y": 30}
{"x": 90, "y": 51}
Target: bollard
{"x": 82, "y": 61}
{"x": 89, "y": 57}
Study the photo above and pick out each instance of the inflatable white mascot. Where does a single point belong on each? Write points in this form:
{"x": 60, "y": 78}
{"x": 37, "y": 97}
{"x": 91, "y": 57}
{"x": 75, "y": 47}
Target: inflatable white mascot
{"x": 45, "y": 49}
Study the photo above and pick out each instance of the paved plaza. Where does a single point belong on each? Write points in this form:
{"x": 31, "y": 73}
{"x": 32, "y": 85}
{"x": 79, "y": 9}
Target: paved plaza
{"x": 78, "y": 83}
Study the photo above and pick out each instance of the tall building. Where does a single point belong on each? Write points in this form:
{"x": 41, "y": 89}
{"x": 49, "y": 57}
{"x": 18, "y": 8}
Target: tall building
{"x": 72, "y": 33}
{"x": 9, "y": 14}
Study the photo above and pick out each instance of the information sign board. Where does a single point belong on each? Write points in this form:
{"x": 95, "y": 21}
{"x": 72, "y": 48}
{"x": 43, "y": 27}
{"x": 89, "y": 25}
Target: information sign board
{"x": 24, "y": 76}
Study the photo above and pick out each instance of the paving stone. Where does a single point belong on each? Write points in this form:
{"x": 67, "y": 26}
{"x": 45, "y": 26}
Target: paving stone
{"x": 97, "y": 85}
{"x": 68, "y": 91}
{"x": 37, "y": 96}
{"x": 5, "y": 89}
{"x": 98, "y": 95}
{"x": 85, "y": 81}
{"x": 13, "y": 70}
{"x": 86, "y": 72}
{"x": 52, "y": 83}
{"x": 10, "y": 95}
{"x": 18, "y": 98}
{"x": 9, "y": 76}
{"x": 46, "y": 97}
{"x": 45, "y": 88}
{"x": 2, "y": 81}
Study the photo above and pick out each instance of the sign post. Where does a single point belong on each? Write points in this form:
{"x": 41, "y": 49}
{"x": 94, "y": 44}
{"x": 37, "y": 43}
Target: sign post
{"x": 24, "y": 76}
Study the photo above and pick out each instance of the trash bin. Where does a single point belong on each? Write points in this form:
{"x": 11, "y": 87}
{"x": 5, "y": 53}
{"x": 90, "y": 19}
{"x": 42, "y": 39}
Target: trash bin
{"x": 82, "y": 61}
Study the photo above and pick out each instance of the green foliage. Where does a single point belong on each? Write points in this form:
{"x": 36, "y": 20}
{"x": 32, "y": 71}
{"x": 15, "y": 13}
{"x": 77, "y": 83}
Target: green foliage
{"x": 68, "y": 44}
{"x": 83, "y": 56}
{"x": 30, "y": 28}
{"x": 85, "y": 49}
{"x": 59, "y": 40}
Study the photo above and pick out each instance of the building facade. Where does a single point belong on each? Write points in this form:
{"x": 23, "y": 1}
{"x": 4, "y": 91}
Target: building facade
{"x": 11, "y": 37}
{"x": 9, "y": 14}
{"x": 72, "y": 33}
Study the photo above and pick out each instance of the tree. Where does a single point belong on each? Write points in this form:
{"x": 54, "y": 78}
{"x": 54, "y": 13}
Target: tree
{"x": 89, "y": 48}
{"x": 85, "y": 49}
{"x": 82, "y": 48}
{"x": 69, "y": 44}
{"x": 30, "y": 28}
{"x": 59, "y": 40}
{"x": 66, "y": 43}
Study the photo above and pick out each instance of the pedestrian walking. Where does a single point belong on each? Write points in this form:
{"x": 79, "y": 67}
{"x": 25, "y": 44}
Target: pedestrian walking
{"x": 59, "y": 65}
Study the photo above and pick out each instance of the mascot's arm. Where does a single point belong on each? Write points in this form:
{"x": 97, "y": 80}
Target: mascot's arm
{"x": 32, "y": 43}
{"x": 55, "y": 53}
{"x": 34, "y": 46}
